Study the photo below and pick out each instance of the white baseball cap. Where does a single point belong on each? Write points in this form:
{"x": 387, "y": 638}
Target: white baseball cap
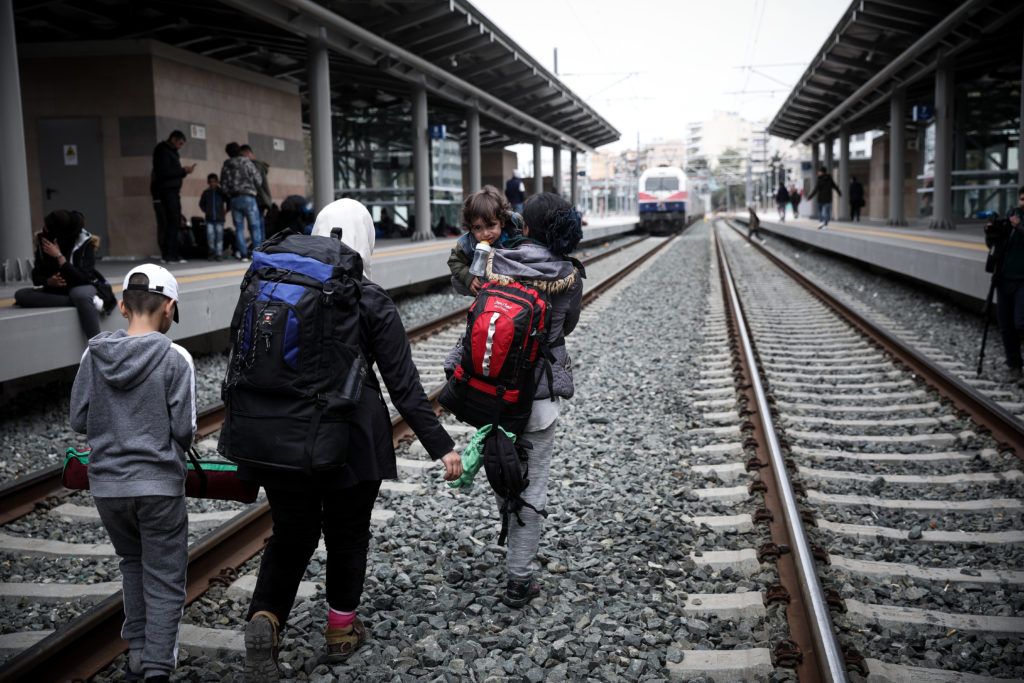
{"x": 160, "y": 281}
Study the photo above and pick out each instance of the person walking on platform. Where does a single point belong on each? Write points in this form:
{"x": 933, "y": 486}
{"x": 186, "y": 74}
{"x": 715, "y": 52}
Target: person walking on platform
{"x": 856, "y": 199}
{"x": 781, "y": 199}
{"x": 515, "y": 192}
{"x": 794, "y": 200}
{"x": 823, "y": 189}
{"x": 1007, "y": 238}
{"x": 165, "y": 187}
{"x": 241, "y": 180}
{"x": 338, "y": 503}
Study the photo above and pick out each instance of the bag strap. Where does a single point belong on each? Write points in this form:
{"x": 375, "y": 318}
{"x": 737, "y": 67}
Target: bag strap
{"x": 194, "y": 457}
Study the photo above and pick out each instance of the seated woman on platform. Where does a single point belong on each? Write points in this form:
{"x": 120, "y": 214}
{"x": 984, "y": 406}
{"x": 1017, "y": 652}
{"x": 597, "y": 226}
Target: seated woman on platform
{"x": 64, "y": 271}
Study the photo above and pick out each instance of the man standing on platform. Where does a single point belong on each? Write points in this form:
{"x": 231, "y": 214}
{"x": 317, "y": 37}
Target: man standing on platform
{"x": 823, "y": 188}
{"x": 515, "y": 192}
{"x": 165, "y": 187}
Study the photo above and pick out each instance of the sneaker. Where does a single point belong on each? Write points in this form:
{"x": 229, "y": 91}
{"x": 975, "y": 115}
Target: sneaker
{"x": 342, "y": 642}
{"x": 261, "y": 648}
{"x": 181, "y": 260}
{"x": 518, "y": 593}
{"x": 821, "y": 226}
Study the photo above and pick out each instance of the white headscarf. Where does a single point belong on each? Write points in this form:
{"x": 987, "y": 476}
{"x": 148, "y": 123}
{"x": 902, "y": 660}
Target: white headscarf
{"x": 356, "y": 227}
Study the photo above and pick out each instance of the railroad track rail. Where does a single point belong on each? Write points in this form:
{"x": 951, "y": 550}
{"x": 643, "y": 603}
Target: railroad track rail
{"x": 891, "y": 489}
{"x": 91, "y": 641}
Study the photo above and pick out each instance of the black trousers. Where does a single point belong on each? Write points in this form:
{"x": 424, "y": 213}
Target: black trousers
{"x": 299, "y": 516}
{"x": 171, "y": 203}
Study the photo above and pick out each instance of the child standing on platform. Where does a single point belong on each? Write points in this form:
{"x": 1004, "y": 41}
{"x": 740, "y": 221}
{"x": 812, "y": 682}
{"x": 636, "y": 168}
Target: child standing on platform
{"x": 135, "y": 398}
{"x": 486, "y": 217}
{"x": 213, "y": 203}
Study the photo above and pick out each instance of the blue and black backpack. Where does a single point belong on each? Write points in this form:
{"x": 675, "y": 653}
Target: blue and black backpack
{"x": 295, "y": 372}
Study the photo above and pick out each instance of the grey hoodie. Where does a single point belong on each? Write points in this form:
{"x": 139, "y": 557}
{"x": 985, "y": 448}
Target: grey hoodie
{"x": 534, "y": 266}
{"x": 135, "y": 398}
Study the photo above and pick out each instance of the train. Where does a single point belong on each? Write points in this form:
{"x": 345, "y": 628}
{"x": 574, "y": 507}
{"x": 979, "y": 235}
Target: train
{"x": 662, "y": 200}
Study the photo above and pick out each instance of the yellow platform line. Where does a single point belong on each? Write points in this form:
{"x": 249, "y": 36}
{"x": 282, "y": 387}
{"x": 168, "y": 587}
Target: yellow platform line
{"x": 913, "y": 238}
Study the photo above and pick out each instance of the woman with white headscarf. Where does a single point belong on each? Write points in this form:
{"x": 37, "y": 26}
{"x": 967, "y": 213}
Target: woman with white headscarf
{"x": 339, "y": 503}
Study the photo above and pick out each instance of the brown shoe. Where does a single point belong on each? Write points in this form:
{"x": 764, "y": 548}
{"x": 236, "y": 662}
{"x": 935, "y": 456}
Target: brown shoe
{"x": 342, "y": 642}
{"x": 261, "y": 648}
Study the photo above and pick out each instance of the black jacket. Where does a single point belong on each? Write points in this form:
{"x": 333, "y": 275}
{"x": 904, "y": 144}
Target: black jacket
{"x": 823, "y": 189}
{"x": 167, "y": 169}
{"x": 856, "y": 194}
{"x": 78, "y": 269}
{"x": 371, "y": 455}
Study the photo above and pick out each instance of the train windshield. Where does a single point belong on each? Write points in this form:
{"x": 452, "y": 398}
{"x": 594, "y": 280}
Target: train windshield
{"x": 668, "y": 184}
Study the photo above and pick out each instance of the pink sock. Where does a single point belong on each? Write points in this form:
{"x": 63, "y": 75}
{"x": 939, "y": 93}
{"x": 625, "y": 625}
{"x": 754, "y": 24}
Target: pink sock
{"x": 336, "y": 619}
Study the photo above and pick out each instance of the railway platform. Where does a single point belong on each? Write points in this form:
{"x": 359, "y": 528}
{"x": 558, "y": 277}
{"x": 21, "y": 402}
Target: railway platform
{"x": 37, "y": 340}
{"x": 953, "y": 260}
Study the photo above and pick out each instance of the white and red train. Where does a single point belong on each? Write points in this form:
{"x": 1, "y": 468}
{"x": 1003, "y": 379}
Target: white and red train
{"x": 662, "y": 202}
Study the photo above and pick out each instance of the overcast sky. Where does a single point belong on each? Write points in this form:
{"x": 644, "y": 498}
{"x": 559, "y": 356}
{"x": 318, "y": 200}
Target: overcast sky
{"x": 650, "y": 66}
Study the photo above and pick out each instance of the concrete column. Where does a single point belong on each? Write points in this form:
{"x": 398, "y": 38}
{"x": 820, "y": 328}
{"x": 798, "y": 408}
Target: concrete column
{"x": 844, "y": 173}
{"x": 556, "y": 172}
{"x": 321, "y": 136}
{"x": 815, "y": 162}
{"x": 942, "y": 200}
{"x": 473, "y": 144}
{"x": 1020, "y": 138}
{"x": 897, "y": 145}
{"x": 538, "y": 168}
{"x": 15, "y": 217}
{"x": 574, "y": 178}
{"x": 421, "y": 164}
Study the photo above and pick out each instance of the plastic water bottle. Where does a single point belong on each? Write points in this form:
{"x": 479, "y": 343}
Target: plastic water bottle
{"x": 480, "y": 254}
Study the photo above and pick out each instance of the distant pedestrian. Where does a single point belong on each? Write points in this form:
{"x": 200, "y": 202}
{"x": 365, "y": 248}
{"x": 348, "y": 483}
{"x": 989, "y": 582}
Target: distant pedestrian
{"x": 515, "y": 192}
{"x": 823, "y": 189}
{"x": 754, "y": 229}
{"x": 213, "y": 203}
{"x": 165, "y": 187}
{"x": 241, "y": 181}
{"x": 856, "y": 198}
{"x": 263, "y": 198}
{"x": 781, "y": 199}
{"x": 135, "y": 398}
{"x": 794, "y": 201}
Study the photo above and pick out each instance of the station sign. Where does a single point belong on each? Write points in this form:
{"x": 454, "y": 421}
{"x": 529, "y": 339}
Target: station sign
{"x": 438, "y": 132}
{"x": 923, "y": 112}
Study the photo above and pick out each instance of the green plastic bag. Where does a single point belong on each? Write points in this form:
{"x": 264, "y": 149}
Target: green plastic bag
{"x": 473, "y": 457}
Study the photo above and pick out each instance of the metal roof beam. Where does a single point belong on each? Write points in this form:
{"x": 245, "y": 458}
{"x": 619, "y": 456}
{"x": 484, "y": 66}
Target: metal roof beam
{"x": 306, "y": 18}
{"x": 455, "y": 46}
{"x": 482, "y": 67}
{"x": 821, "y": 72}
{"x": 858, "y": 64}
{"x": 428, "y": 34}
{"x": 866, "y": 19}
{"x": 391, "y": 25}
{"x": 925, "y": 43}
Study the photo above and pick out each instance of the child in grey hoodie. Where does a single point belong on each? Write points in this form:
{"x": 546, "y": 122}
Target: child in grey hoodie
{"x": 135, "y": 398}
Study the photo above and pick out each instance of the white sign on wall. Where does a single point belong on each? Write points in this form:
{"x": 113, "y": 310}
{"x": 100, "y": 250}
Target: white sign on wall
{"x": 278, "y": 144}
{"x": 71, "y": 155}
{"x": 198, "y": 132}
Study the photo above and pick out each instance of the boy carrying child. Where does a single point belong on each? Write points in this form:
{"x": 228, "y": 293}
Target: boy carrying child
{"x": 134, "y": 397}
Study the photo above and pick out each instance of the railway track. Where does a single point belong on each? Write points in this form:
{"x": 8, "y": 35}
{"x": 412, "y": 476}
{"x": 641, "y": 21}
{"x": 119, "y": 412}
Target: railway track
{"x": 890, "y": 489}
{"x": 91, "y": 641}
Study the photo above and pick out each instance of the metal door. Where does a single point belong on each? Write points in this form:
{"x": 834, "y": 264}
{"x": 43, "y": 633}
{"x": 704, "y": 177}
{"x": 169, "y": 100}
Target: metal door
{"x": 71, "y": 170}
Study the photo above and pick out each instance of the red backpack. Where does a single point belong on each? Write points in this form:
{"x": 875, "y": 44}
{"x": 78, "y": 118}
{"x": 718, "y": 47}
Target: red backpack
{"x": 506, "y": 334}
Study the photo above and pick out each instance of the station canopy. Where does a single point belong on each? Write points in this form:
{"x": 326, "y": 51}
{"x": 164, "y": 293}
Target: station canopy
{"x": 880, "y": 45}
{"x": 379, "y": 49}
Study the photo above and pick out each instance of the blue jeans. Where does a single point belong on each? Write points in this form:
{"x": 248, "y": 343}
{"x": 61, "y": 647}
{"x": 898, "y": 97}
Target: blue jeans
{"x": 1010, "y": 313}
{"x": 243, "y": 207}
{"x": 824, "y": 212}
{"x": 214, "y": 238}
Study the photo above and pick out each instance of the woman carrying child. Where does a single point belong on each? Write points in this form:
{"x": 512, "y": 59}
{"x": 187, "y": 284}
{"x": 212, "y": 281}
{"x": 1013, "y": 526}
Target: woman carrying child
{"x": 486, "y": 217}
{"x": 539, "y": 259}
